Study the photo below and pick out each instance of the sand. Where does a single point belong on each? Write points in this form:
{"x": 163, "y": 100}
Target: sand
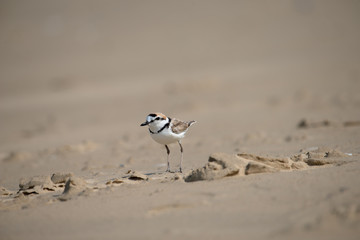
{"x": 274, "y": 88}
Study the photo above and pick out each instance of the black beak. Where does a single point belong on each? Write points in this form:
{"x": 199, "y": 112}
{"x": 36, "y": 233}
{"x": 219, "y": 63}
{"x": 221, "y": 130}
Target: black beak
{"x": 144, "y": 124}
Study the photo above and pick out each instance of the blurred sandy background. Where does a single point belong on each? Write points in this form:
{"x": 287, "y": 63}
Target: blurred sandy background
{"x": 78, "y": 77}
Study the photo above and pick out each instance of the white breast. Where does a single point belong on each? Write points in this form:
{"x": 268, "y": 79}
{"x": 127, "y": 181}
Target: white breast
{"x": 167, "y": 137}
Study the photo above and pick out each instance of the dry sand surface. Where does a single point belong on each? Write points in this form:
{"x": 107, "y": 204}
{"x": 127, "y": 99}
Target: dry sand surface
{"x": 274, "y": 88}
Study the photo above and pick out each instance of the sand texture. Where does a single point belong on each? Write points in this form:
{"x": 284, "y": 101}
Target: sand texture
{"x": 272, "y": 85}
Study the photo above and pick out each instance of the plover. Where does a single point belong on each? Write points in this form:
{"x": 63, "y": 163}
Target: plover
{"x": 165, "y": 130}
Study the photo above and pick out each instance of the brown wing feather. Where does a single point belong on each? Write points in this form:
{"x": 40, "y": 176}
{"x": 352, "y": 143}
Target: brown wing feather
{"x": 179, "y": 126}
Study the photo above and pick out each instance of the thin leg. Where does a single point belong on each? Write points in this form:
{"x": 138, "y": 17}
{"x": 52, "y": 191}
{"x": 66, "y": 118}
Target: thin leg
{"x": 168, "y": 154}
{"x": 181, "y": 159}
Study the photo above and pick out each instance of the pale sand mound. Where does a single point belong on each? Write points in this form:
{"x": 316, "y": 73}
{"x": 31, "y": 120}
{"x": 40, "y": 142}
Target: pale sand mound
{"x": 323, "y": 155}
{"x": 256, "y": 167}
{"x": 220, "y": 165}
{"x": 4, "y": 191}
{"x": 36, "y": 185}
{"x": 223, "y": 165}
{"x": 61, "y": 177}
{"x": 279, "y": 163}
{"x": 73, "y": 187}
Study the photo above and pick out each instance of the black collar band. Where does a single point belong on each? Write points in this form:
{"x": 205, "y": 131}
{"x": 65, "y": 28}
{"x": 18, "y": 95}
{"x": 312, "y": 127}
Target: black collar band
{"x": 165, "y": 126}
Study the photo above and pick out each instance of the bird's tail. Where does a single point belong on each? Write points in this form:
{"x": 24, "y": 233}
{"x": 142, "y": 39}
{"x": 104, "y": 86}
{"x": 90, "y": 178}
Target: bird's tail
{"x": 190, "y": 123}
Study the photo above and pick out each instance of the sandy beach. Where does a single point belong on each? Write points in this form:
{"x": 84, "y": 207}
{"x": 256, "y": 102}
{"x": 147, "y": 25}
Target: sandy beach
{"x": 273, "y": 87}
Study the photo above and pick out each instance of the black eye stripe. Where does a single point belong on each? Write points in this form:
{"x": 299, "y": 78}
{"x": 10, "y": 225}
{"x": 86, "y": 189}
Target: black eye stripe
{"x": 156, "y": 117}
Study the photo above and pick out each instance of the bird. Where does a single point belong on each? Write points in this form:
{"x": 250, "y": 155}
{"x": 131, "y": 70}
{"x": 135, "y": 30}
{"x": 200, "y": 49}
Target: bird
{"x": 166, "y": 130}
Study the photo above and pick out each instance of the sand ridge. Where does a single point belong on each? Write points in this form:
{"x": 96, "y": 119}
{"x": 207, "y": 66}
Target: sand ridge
{"x": 64, "y": 186}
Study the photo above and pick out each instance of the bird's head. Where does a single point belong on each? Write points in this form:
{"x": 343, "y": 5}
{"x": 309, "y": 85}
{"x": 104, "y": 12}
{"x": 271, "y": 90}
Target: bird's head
{"x": 155, "y": 120}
